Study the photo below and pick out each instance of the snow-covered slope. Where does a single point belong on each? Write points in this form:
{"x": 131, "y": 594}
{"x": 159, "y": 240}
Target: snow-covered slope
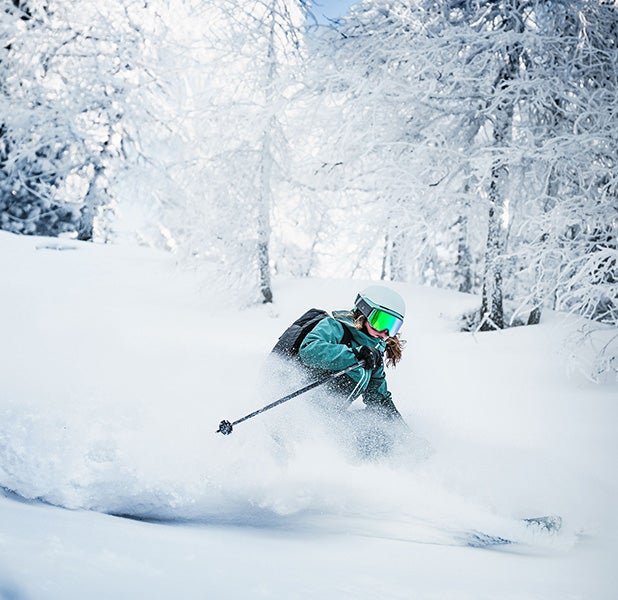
{"x": 115, "y": 370}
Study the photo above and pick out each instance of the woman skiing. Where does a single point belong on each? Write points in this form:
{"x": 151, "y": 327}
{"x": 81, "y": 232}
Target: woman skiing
{"x": 368, "y": 333}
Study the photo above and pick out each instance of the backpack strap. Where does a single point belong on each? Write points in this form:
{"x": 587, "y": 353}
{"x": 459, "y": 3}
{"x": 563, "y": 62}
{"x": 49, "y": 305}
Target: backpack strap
{"x": 347, "y": 338}
{"x": 290, "y": 340}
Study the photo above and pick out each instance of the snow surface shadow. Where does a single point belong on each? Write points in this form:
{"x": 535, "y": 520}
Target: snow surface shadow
{"x": 16, "y": 497}
{"x": 9, "y": 591}
{"x": 524, "y": 541}
{"x": 254, "y": 519}
{"x": 504, "y": 535}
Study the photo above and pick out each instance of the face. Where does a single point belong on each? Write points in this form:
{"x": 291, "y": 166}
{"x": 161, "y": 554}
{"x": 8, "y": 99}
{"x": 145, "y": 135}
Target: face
{"x": 383, "y": 335}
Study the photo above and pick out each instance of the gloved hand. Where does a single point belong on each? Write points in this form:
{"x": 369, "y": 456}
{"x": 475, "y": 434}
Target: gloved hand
{"x": 371, "y": 356}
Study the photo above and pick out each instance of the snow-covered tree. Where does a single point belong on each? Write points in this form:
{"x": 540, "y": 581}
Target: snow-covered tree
{"x": 33, "y": 147}
{"x": 496, "y": 114}
{"x": 399, "y": 153}
{"x": 574, "y": 251}
{"x": 224, "y": 83}
{"x": 65, "y": 71}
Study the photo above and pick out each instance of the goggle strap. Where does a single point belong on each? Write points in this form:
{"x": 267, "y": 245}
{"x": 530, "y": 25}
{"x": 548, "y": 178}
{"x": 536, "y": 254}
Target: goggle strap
{"x": 364, "y": 306}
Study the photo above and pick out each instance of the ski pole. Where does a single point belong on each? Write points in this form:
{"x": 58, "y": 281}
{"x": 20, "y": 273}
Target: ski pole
{"x": 225, "y": 427}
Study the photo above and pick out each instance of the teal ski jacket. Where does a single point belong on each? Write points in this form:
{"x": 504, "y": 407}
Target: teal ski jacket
{"x": 322, "y": 350}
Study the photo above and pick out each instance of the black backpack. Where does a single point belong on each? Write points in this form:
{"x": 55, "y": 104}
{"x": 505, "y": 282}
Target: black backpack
{"x": 291, "y": 339}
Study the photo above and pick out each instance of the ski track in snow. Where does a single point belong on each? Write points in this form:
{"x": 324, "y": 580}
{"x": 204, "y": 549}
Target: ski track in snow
{"x": 520, "y": 539}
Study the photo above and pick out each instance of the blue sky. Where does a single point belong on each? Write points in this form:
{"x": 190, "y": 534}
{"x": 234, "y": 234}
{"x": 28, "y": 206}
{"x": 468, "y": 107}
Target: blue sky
{"x": 331, "y": 8}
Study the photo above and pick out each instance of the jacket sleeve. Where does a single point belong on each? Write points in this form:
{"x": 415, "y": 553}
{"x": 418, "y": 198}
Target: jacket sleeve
{"x": 322, "y": 349}
{"x": 377, "y": 391}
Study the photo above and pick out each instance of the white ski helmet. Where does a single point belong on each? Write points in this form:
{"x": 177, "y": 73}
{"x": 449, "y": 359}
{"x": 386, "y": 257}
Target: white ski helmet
{"x": 380, "y": 296}
{"x": 376, "y": 300}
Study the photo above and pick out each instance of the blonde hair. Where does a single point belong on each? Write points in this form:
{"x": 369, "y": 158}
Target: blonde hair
{"x": 394, "y": 344}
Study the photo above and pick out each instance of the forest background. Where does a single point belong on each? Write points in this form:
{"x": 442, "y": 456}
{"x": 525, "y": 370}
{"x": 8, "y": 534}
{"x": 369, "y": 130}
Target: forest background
{"x": 454, "y": 143}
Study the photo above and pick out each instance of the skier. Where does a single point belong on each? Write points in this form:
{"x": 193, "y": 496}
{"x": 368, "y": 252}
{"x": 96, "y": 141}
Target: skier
{"x": 370, "y": 333}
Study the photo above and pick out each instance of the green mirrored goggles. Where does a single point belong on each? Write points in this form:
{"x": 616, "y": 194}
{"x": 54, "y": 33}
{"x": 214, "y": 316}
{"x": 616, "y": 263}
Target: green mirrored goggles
{"x": 381, "y": 320}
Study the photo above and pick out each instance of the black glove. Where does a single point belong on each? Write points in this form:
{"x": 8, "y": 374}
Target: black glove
{"x": 371, "y": 356}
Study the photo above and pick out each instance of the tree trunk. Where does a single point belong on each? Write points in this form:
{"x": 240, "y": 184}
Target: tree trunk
{"x": 492, "y": 308}
{"x": 384, "y": 258}
{"x": 397, "y": 255}
{"x": 85, "y": 230}
{"x": 534, "y": 318}
{"x": 94, "y": 197}
{"x": 463, "y": 266}
{"x": 263, "y": 221}
{"x": 266, "y": 163}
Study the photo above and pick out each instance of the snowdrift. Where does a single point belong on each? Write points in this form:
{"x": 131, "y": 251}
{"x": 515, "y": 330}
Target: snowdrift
{"x": 116, "y": 370}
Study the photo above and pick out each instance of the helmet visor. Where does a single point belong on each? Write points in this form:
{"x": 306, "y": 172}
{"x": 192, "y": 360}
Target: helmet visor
{"x": 381, "y": 320}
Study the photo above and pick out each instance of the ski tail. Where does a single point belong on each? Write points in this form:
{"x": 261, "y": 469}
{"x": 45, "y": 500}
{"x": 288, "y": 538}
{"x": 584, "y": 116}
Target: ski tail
{"x": 530, "y": 530}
